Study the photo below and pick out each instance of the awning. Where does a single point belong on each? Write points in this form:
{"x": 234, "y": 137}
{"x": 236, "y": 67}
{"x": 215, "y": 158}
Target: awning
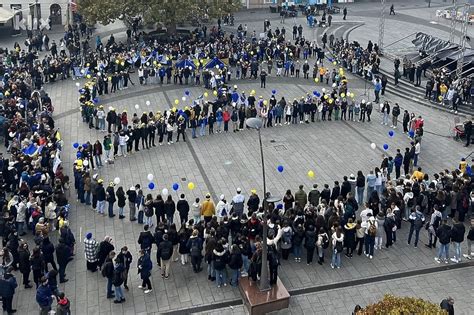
{"x": 5, "y": 15}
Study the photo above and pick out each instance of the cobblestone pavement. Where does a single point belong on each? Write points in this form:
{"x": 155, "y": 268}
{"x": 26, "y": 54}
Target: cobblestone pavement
{"x": 222, "y": 162}
{"x": 432, "y": 287}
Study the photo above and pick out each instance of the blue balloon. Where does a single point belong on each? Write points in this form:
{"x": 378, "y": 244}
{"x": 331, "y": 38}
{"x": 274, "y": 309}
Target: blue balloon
{"x": 79, "y": 155}
{"x": 84, "y": 145}
{"x": 235, "y": 97}
{"x": 315, "y": 93}
{"x": 274, "y": 91}
{"x": 151, "y": 185}
{"x": 186, "y": 93}
{"x": 96, "y": 100}
{"x": 180, "y": 112}
{"x": 175, "y": 186}
{"x": 279, "y": 206}
{"x": 280, "y": 168}
{"x": 385, "y": 147}
{"x": 411, "y": 133}
{"x": 391, "y": 133}
{"x": 75, "y": 145}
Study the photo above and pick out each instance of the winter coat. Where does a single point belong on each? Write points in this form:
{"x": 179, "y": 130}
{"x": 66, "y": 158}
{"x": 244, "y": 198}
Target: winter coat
{"x": 165, "y": 250}
{"x": 220, "y": 259}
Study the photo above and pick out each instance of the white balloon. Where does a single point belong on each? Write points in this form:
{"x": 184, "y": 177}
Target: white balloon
{"x": 150, "y": 177}
{"x": 85, "y": 163}
{"x": 183, "y": 98}
{"x": 137, "y": 106}
{"x": 334, "y": 85}
{"x": 324, "y": 90}
{"x": 373, "y": 145}
{"x": 164, "y": 192}
{"x": 147, "y": 103}
{"x": 78, "y": 84}
{"x": 116, "y": 180}
{"x": 110, "y": 108}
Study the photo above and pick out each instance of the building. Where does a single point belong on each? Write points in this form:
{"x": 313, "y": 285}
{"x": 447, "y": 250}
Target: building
{"x": 31, "y": 14}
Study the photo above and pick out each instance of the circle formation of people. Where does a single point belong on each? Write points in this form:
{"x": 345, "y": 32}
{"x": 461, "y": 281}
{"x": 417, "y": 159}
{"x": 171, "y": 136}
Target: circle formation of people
{"x": 362, "y": 214}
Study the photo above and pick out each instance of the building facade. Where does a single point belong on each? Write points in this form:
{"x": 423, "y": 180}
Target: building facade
{"x": 33, "y": 13}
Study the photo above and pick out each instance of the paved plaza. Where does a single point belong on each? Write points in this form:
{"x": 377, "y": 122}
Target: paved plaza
{"x": 220, "y": 163}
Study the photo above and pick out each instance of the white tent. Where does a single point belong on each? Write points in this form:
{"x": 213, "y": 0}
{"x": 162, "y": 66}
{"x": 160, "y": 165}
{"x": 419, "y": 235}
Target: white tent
{"x": 5, "y": 15}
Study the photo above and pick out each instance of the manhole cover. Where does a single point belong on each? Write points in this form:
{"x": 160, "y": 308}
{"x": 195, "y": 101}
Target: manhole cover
{"x": 280, "y": 147}
{"x": 183, "y": 179}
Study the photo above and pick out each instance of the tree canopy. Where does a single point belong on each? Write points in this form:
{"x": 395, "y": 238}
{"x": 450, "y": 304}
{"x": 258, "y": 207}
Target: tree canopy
{"x": 165, "y": 12}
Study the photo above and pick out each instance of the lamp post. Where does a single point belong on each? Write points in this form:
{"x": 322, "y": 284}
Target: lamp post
{"x": 264, "y": 284}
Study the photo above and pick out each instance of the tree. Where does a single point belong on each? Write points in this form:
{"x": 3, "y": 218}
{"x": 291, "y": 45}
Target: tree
{"x": 168, "y": 13}
{"x": 401, "y": 305}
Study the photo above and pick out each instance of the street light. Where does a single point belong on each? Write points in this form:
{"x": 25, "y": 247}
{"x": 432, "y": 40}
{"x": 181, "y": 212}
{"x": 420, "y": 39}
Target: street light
{"x": 264, "y": 284}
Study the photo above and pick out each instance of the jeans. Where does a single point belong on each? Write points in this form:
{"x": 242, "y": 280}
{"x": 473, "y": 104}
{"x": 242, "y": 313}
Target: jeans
{"x": 369, "y": 191}
{"x": 369, "y": 245}
{"x": 221, "y": 276}
{"x": 360, "y": 195}
{"x": 101, "y": 124}
{"x": 107, "y": 155}
{"x": 110, "y": 293}
{"x": 202, "y": 132}
{"x": 297, "y": 251}
{"x": 111, "y": 209}
{"x": 98, "y": 160}
{"x": 88, "y": 197}
{"x": 385, "y": 118}
{"x": 123, "y": 150}
{"x": 20, "y": 227}
{"x": 443, "y": 249}
{"x": 119, "y": 294}
{"x": 210, "y": 269}
{"x": 121, "y": 211}
{"x": 417, "y": 234}
{"x": 246, "y": 263}
{"x": 234, "y": 278}
{"x": 415, "y": 160}
{"x": 149, "y": 221}
{"x": 457, "y": 250}
{"x": 193, "y": 132}
{"x": 336, "y": 259}
{"x": 62, "y": 272}
{"x": 197, "y": 219}
{"x": 101, "y": 206}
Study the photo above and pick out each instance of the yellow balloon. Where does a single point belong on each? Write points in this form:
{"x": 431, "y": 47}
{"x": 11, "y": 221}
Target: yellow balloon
{"x": 265, "y": 102}
{"x": 343, "y": 95}
{"x": 330, "y": 101}
{"x": 310, "y": 174}
{"x": 206, "y": 94}
{"x": 215, "y": 93}
{"x": 122, "y": 64}
{"x": 176, "y": 101}
{"x": 173, "y": 109}
{"x": 440, "y": 98}
{"x": 334, "y": 63}
{"x": 316, "y": 80}
{"x": 110, "y": 78}
{"x": 191, "y": 186}
{"x": 252, "y": 92}
{"x": 341, "y": 69}
{"x": 326, "y": 97}
{"x": 88, "y": 76}
{"x": 117, "y": 61}
{"x": 253, "y": 191}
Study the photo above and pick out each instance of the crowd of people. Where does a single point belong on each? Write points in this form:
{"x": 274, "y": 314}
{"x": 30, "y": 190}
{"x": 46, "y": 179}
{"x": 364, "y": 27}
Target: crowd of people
{"x": 33, "y": 187}
{"x": 359, "y": 215}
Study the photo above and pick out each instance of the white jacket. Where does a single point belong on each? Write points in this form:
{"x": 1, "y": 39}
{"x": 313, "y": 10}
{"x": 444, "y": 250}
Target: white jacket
{"x": 123, "y": 140}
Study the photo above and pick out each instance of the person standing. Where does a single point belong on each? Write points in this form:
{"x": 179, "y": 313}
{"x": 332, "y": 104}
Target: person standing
{"x": 416, "y": 220}
{"x": 337, "y": 248}
{"x": 108, "y": 272}
{"x": 8, "y": 285}
{"x": 121, "y": 201}
{"x": 194, "y": 245}
{"x": 145, "y": 266}
{"x": 470, "y": 240}
{"x": 100, "y": 192}
{"x": 444, "y": 236}
{"x": 237, "y": 203}
{"x": 24, "y": 263}
{"x": 44, "y": 296}
{"x": 344, "y": 12}
{"x": 165, "y": 251}
{"x": 457, "y": 237}
{"x": 183, "y": 209}
{"x": 132, "y": 198}
{"x": 208, "y": 209}
{"x": 360, "y": 187}
{"x": 370, "y": 232}
{"x": 90, "y": 248}
{"x": 63, "y": 256}
{"x": 395, "y": 114}
{"x": 468, "y": 130}
{"x": 110, "y": 198}
{"x": 417, "y": 153}
{"x": 117, "y": 281}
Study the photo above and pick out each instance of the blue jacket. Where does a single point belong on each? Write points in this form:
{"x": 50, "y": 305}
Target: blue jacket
{"x": 8, "y": 285}
{"x": 146, "y": 266}
{"x": 43, "y": 295}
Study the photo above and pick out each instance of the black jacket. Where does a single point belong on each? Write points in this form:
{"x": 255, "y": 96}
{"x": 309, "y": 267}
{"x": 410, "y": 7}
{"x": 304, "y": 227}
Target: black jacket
{"x": 220, "y": 259}
{"x": 125, "y": 259}
{"x": 457, "y": 232}
{"x": 235, "y": 261}
{"x": 444, "y": 234}
{"x": 165, "y": 250}
{"x": 62, "y": 253}
{"x": 108, "y": 269}
{"x": 145, "y": 239}
{"x": 183, "y": 207}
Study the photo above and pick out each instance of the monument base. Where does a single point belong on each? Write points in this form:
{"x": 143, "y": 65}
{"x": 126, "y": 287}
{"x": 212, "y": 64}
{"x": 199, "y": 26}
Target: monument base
{"x": 258, "y": 302}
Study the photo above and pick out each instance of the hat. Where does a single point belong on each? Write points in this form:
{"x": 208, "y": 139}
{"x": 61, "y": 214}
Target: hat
{"x": 222, "y": 197}
{"x": 111, "y": 184}
{"x": 89, "y": 235}
{"x": 239, "y": 190}
{"x": 208, "y": 196}
{"x": 95, "y": 176}
{"x": 100, "y": 181}
{"x": 352, "y": 176}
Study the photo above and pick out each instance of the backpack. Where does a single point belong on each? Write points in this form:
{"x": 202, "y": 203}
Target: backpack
{"x": 148, "y": 211}
{"x": 338, "y": 247}
{"x": 325, "y": 241}
{"x": 372, "y": 229}
{"x": 410, "y": 202}
{"x": 166, "y": 251}
{"x": 418, "y": 221}
{"x": 195, "y": 251}
{"x": 287, "y": 237}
